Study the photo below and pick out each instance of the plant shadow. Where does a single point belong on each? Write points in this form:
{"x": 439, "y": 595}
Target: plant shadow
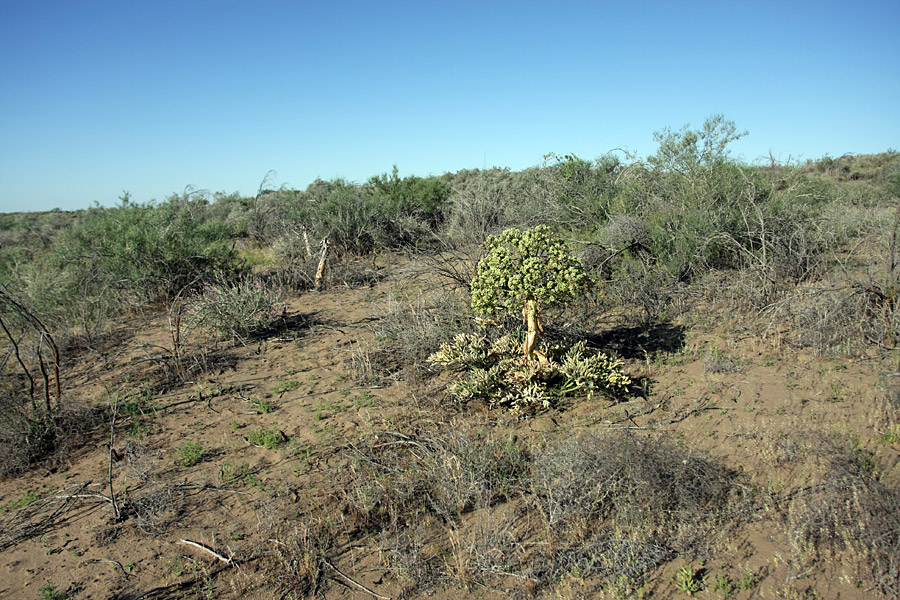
{"x": 638, "y": 342}
{"x": 292, "y": 326}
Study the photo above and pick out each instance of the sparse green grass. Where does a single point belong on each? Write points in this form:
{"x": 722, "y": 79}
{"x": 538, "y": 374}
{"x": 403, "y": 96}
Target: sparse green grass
{"x": 892, "y": 435}
{"x": 723, "y": 585}
{"x": 285, "y": 385}
{"x": 365, "y": 399}
{"x": 27, "y": 498}
{"x": 261, "y": 406}
{"x": 325, "y": 409}
{"x": 747, "y": 581}
{"x": 48, "y": 591}
{"x": 189, "y": 453}
{"x": 229, "y": 475}
{"x": 271, "y": 439}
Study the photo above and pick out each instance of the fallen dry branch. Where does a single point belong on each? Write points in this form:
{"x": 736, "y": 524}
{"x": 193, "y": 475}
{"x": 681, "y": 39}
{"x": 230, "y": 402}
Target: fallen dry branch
{"x": 208, "y": 550}
{"x": 27, "y": 522}
{"x": 113, "y": 562}
{"x": 354, "y": 582}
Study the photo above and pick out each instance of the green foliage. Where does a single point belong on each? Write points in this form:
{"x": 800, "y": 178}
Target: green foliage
{"x": 126, "y": 256}
{"x": 261, "y": 405}
{"x": 386, "y": 212}
{"x": 892, "y": 435}
{"x": 723, "y": 585}
{"x": 286, "y": 385}
{"x": 689, "y": 149}
{"x": 416, "y": 197}
{"x": 688, "y": 581}
{"x": 27, "y": 498}
{"x": 48, "y": 591}
{"x": 149, "y": 250}
{"x": 189, "y": 453}
{"x": 521, "y": 266}
{"x": 496, "y": 373}
{"x": 269, "y": 439}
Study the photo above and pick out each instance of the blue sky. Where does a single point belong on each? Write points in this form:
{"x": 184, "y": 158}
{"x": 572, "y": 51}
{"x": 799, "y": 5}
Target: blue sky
{"x": 153, "y": 96}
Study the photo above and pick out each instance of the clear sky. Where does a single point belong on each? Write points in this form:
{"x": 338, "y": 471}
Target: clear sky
{"x": 151, "y": 96}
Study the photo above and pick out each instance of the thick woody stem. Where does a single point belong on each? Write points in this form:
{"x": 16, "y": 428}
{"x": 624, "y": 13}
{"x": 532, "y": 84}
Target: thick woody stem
{"x": 533, "y": 322}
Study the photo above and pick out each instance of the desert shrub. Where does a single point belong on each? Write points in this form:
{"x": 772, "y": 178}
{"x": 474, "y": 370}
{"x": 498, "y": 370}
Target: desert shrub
{"x": 855, "y": 308}
{"x": 631, "y": 481}
{"x": 270, "y": 439}
{"x": 387, "y": 212}
{"x": 844, "y": 320}
{"x": 24, "y": 236}
{"x": 853, "y": 511}
{"x": 297, "y": 259}
{"x": 189, "y": 453}
{"x": 342, "y": 213}
{"x": 271, "y": 214}
{"x": 421, "y": 199}
{"x": 298, "y": 558}
{"x": 477, "y": 208}
{"x": 694, "y": 150}
{"x": 150, "y": 509}
{"x": 232, "y": 210}
{"x": 635, "y": 285}
{"x": 28, "y": 439}
{"x": 142, "y": 253}
{"x": 407, "y": 333}
{"x": 614, "y": 505}
{"x": 711, "y": 219}
{"x": 586, "y": 191}
{"x": 704, "y": 212}
{"x": 34, "y": 421}
{"x": 484, "y": 203}
{"x": 624, "y": 231}
{"x": 395, "y": 476}
{"x": 605, "y": 506}
{"x": 235, "y": 310}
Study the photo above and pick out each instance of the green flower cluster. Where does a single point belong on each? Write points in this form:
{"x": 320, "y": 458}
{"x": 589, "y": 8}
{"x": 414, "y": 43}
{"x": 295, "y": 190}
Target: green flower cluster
{"x": 525, "y": 265}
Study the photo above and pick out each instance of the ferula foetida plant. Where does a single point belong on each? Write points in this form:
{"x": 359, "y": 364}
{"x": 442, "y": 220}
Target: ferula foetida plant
{"x": 526, "y": 271}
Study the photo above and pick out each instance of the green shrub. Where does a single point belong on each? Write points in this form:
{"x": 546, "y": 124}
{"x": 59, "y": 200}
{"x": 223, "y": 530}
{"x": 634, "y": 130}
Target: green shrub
{"x": 144, "y": 252}
{"x": 189, "y": 453}
{"x": 48, "y": 591}
{"x": 413, "y": 197}
{"x": 357, "y": 220}
{"x": 270, "y": 439}
{"x": 486, "y": 202}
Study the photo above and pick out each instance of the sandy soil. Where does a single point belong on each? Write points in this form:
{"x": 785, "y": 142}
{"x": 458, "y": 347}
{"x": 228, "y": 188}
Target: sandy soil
{"x": 716, "y": 385}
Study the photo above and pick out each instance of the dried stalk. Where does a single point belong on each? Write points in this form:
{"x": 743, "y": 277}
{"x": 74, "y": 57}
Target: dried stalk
{"x": 321, "y": 269}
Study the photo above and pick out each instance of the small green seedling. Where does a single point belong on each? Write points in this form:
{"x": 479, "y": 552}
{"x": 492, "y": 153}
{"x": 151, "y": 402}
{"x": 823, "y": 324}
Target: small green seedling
{"x": 189, "y": 453}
